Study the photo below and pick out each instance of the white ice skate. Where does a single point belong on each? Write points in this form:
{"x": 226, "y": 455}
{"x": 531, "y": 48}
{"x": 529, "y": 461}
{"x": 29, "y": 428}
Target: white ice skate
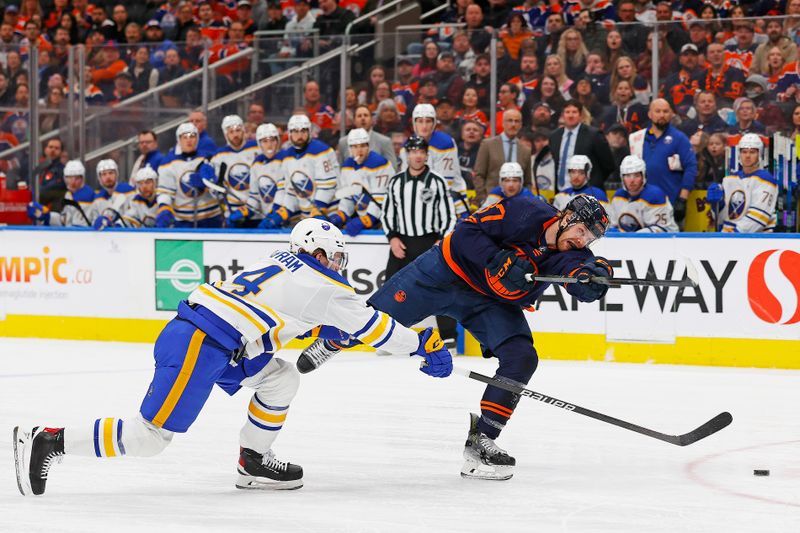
{"x": 483, "y": 459}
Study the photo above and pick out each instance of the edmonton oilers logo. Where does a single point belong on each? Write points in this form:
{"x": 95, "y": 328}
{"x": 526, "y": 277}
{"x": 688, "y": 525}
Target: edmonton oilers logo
{"x": 776, "y": 302}
{"x": 736, "y": 204}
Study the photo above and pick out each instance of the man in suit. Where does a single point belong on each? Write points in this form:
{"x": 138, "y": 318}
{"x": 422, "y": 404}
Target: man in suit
{"x": 377, "y": 142}
{"x": 576, "y": 138}
{"x": 500, "y": 149}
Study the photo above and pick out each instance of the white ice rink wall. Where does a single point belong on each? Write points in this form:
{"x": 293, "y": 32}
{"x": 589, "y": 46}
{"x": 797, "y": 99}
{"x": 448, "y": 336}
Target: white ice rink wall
{"x": 124, "y": 285}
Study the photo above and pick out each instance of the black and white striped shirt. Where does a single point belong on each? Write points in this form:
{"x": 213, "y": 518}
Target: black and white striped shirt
{"x": 418, "y": 205}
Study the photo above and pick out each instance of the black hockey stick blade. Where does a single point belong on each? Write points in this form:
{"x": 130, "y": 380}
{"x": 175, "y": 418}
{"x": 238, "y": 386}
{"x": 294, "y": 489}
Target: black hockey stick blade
{"x": 688, "y": 282}
{"x": 717, "y": 423}
{"x": 73, "y": 203}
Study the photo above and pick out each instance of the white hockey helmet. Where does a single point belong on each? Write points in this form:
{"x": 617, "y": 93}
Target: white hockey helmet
{"x": 231, "y": 121}
{"x": 632, "y": 164}
{"x": 74, "y": 168}
{"x": 187, "y": 128}
{"x": 357, "y": 136}
{"x": 144, "y": 174}
{"x": 107, "y": 164}
{"x": 298, "y": 122}
{"x": 423, "y": 111}
{"x": 267, "y": 131}
{"x": 511, "y": 170}
{"x": 579, "y": 162}
{"x": 750, "y": 140}
{"x": 311, "y": 234}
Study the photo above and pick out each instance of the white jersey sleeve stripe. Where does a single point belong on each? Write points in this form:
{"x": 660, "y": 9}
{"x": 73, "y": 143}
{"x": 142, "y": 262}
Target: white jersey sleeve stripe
{"x": 258, "y": 327}
{"x": 378, "y": 331}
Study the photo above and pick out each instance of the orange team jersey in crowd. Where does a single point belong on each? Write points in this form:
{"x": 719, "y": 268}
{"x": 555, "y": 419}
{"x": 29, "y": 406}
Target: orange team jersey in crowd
{"x": 221, "y": 51}
{"x": 109, "y": 72}
{"x": 215, "y": 32}
{"x": 476, "y": 116}
{"x": 514, "y": 42}
{"x": 322, "y": 116}
{"x": 741, "y": 60}
{"x": 83, "y": 18}
{"x": 526, "y": 87}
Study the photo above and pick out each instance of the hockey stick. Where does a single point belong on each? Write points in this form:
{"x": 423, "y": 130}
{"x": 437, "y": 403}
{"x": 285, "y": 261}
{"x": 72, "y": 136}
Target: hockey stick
{"x": 717, "y": 423}
{"x": 691, "y": 279}
{"x": 73, "y": 203}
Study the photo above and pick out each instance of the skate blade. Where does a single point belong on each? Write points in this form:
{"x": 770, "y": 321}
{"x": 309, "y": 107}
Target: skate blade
{"x": 22, "y": 463}
{"x": 473, "y": 470}
{"x": 261, "y": 483}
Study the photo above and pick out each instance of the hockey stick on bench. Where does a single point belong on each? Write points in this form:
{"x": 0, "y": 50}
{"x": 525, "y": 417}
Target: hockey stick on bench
{"x": 717, "y": 423}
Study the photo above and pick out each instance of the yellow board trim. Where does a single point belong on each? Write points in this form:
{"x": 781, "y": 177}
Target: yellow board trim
{"x": 183, "y": 379}
{"x": 108, "y": 441}
{"x": 755, "y": 353}
{"x": 266, "y": 417}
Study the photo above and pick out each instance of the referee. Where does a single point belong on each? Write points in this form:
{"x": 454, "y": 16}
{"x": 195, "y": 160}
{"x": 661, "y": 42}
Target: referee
{"x": 417, "y": 212}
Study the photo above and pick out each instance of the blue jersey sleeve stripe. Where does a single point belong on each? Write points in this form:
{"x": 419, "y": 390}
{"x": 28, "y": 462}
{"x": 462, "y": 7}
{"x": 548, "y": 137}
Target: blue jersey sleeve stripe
{"x": 387, "y": 337}
{"x": 369, "y": 324}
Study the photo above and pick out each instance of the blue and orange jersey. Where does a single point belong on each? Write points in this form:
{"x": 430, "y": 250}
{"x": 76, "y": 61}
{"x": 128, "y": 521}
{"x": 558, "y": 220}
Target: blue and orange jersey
{"x": 679, "y": 88}
{"x": 788, "y": 77}
{"x": 600, "y": 10}
{"x": 741, "y": 59}
{"x": 518, "y": 223}
{"x": 728, "y": 84}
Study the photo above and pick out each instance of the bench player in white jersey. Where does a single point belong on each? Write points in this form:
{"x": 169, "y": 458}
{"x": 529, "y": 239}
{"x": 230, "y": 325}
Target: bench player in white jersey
{"x": 111, "y": 199}
{"x": 746, "y": 200}
{"x": 367, "y": 172}
{"x": 579, "y": 168}
{"x": 183, "y": 199}
{"x": 510, "y": 175}
{"x": 232, "y": 165}
{"x": 141, "y": 211}
{"x": 442, "y": 154}
{"x": 77, "y": 201}
{"x": 311, "y": 174}
{"x": 227, "y": 334}
{"x": 266, "y": 176}
{"x": 640, "y": 206}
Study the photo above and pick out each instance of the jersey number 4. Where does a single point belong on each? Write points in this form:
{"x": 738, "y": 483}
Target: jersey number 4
{"x": 251, "y": 282}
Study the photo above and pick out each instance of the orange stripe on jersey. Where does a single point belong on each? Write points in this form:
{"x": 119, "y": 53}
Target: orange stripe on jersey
{"x": 497, "y": 406}
{"x": 448, "y": 258}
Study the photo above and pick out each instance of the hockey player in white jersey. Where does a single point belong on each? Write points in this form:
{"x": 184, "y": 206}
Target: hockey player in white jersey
{"x": 77, "y": 201}
{"x": 311, "y": 174}
{"x": 579, "y": 168}
{"x": 227, "y": 334}
{"x": 141, "y": 211}
{"x": 266, "y": 176}
{"x": 640, "y": 206}
{"x": 112, "y": 197}
{"x": 510, "y": 175}
{"x": 232, "y": 165}
{"x": 366, "y": 172}
{"x": 183, "y": 199}
{"x": 442, "y": 154}
{"x": 746, "y": 200}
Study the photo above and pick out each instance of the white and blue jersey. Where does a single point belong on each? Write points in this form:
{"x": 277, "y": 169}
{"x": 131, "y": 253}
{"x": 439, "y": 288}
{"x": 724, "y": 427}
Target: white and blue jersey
{"x": 70, "y": 215}
{"x": 750, "y": 202}
{"x": 140, "y": 212}
{"x": 311, "y": 175}
{"x": 236, "y": 178}
{"x": 267, "y": 187}
{"x": 111, "y": 204}
{"x": 648, "y": 212}
{"x": 373, "y": 175}
{"x": 174, "y": 191}
{"x": 562, "y": 198}
{"x": 497, "y": 194}
{"x": 443, "y": 161}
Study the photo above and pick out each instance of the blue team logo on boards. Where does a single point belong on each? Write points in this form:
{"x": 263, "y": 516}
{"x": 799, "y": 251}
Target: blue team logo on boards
{"x": 179, "y": 271}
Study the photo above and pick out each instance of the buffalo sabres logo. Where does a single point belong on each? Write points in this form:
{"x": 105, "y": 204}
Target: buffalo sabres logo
{"x": 186, "y": 188}
{"x": 267, "y": 189}
{"x": 629, "y": 222}
{"x": 426, "y": 195}
{"x": 239, "y": 177}
{"x": 544, "y": 183}
{"x": 668, "y": 139}
{"x": 302, "y": 184}
{"x": 361, "y": 200}
{"x": 736, "y": 204}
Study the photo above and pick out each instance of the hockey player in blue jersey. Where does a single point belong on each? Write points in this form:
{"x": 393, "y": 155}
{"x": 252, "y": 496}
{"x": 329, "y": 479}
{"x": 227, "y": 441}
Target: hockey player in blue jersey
{"x": 745, "y": 202}
{"x": 579, "y": 168}
{"x": 477, "y": 276}
{"x": 227, "y": 334}
{"x": 510, "y": 184}
{"x": 640, "y": 206}
{"x": 78, "y": 201}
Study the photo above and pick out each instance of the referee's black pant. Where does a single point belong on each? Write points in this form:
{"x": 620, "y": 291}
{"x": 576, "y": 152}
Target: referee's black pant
{"x": 415, "y": 247}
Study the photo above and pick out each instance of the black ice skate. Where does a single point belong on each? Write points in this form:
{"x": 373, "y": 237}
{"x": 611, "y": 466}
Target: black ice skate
{"x": 265, "y": 472}
{"x": 315, "y": 356}
{"x": 34, "y": 454}
{"x": 483, "y": 459}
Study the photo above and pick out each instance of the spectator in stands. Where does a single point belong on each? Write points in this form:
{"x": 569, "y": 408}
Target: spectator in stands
{"x": 529, "y": 74}
{"x": 707, "y": 118}
{"x": 9, "y": 39}
{"x": 446, "y": 118}
{"x": 6, "y": 92}
{"x": 581, "y": 91}
{"x": 514, "y": 34}
{"x": 794, "y": 130}
{"x": 546, "y": 91}
{"x": 507, "y": 98}
{"x": 149, "y": 156}
{"x": 740, "y": 54}
{"x": 624, "y": 110}
{"x": 54, "y": 14}
{"x": 667, "y": 152}
{"x": 427, "y": 63}
{"x": 746, "y": 121}
{"x": 378, "y": 142}
{"x": 16, "y": 122}
{"x": 774, "y": 66}
{"x": 405, "y": 87}
{"x": 275, "y": 18}
{"x": 101, "y": 23}
{"x": 507, "y": 68}
{"x": 110, "y": 65}
{"x": 776, "y": 39}
{"x": 613, "y": 47}
{"x": 576, "y": 138}
{"x": 542, "y": 116}
{"x": 791, "y": 25}
{"x": 204, "y": 141}
{"x": 155, "y": 35}
{"x": 192, "y": 52}
{"x": 134, "y": 33}
{"x": 50, "y": 116}
{"x": 633, "y": 34}
{"x": 14, "y": 67}
{"x": 554, "y": 67}
{"x": 145, "y": 77}
{"x": 426, "y": 94}
{"x": 448, "y": 82}
{"x": 123, "y": 88}
{"x": 572, "y": 52}
{"x": 617, "y": 138}
{"x": 552, "y": 31}
{"x": 375, "y": 75}
{"x": 479, "y": 34}
{"x": 172, "y": 70}
{"x": 470, "y": 112}
{"x": 725, "y": 80}
{"x": 594, "y": 35}
{"x": 625, "y": 69}
{"x": 388, "y": 120}
{"x": 244, "y": 14}
{"x": 468, "y": 146}
{"x": 674, "y": 34}
{"x": 119, "y": 16}
{"x": 319, "y": 113}
{"x": 699, "y": 35}
{"x": 667, "y": 59}
{"x": 256, "y": 113}
{"x": 480, "y": 79}
{"x": 464, "y": 54}
{"x": 383, "y": 91}
{"x": 710, "y": 153}
{"x": 598, "y": 75}
{"x": 332, "y": 21}
{"x": 210, "y": 27}
{"x": 680, "y": 87}
{"x": 184, "y": 20}
{"x": 500, "y": 149}
{"x": 50, "y": 175}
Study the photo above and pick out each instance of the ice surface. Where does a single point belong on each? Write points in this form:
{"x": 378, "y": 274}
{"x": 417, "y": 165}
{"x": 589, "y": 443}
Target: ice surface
{"x": 381, "y": 446}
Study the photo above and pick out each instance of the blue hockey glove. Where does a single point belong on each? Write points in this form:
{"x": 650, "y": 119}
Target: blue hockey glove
{"x": 237, "y": 215}
{"x": 585, "y": 290}
{"x": 715, "y": 194}
{"x": 272, "y": 221}
{"x": 101, "y": 222}
{"x": 438, "y": 361}
{"x": 165, "y": 217}
{"x": 355, "y": 226}
{"x": 204, "y": 171}
{"x": 337, "y": 219}
{"x": 38, "y": 213}
{"x": 506, "y": 273}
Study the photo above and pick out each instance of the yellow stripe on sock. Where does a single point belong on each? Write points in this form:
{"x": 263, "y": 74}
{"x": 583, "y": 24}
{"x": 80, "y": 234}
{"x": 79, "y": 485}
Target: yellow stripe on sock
{"x": 108, "y": 437}
{"x": 266, "y": 417}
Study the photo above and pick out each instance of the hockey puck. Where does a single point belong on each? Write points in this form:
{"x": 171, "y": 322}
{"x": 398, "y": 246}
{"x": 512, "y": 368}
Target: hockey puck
{"x": 760, "y": 472}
